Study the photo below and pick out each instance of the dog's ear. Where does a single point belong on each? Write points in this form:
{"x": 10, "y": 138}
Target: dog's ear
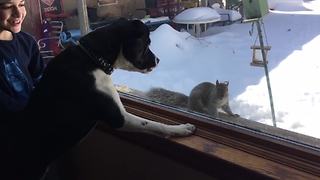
{"x": 139, "y": 29}
{"x": 131, "y": 29}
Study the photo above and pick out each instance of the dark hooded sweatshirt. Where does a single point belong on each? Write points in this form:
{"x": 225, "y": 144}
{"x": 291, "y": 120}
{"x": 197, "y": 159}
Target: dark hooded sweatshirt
{"x": 20, "y": 68}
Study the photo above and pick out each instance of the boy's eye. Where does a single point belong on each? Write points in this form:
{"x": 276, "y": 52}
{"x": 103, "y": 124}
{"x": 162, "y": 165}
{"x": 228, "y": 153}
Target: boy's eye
{"x": 5, "y": 7}
{"x": 8, "y": 6}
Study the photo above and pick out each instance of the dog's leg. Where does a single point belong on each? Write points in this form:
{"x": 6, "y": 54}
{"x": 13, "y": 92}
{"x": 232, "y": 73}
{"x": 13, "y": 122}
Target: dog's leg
{"x": 137, "y": 124}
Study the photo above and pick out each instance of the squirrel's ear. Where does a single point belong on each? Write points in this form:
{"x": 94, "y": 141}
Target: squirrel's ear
{"x": 217, "y": 82}
{"x": 226, "y": 82}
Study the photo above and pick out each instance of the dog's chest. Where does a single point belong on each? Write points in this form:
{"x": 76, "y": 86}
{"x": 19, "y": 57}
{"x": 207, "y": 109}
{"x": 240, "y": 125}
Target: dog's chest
{"x": 103, "y": 82}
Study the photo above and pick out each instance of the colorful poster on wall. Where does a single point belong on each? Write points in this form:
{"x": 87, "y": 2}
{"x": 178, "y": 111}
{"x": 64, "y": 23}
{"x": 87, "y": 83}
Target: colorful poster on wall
{"x": 51, "y": 8}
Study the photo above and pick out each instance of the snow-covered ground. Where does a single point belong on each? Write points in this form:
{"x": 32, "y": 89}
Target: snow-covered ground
{"x": 223, "y": 53}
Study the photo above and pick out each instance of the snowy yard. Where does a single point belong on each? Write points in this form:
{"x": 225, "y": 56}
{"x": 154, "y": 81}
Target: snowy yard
{"x": 223, "y": 53}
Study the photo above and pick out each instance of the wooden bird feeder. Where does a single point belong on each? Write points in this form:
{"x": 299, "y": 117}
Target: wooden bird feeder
{"x": 257, "y": 59}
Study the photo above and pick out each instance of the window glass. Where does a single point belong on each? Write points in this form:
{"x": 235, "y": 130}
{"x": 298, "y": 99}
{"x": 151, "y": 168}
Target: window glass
{"x": 212, "y": 63}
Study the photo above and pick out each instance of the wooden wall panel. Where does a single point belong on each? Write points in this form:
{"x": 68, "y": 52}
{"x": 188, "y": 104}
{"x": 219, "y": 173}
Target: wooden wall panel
{"x": 32, "y": 22}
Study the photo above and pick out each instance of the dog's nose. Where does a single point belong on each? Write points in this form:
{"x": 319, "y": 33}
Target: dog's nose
{"x": 156, "y": 60}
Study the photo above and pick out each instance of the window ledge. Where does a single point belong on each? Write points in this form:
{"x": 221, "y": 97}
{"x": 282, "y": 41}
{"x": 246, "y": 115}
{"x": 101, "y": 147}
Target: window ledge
{"x": 218, "y": 148}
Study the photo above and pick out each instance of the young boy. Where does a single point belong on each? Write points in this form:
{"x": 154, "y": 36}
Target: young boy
{"x": 20, "y": 68}
{"x": 20, "y": 62}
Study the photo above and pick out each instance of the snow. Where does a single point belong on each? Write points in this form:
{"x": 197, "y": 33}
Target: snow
{"x": 157, "y": 19}
{"x": 226, "y": 14}
{"x": 223, "y": 53}
{"x": 197, "y": 15}
{"x": 286, "y": 4}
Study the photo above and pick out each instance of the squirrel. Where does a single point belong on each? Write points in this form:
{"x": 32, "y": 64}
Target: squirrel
{"x": 168, "y": 97}
{"x": 205, "y": 97}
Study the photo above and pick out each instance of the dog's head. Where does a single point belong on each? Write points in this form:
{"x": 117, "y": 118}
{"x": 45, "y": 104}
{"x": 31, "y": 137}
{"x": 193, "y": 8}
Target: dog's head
{"x": 125, "y": 43}
{"x": 135, "y": 54}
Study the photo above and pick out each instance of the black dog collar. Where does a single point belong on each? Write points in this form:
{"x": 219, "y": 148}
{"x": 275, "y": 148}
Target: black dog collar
{"x": 100, "y": 61}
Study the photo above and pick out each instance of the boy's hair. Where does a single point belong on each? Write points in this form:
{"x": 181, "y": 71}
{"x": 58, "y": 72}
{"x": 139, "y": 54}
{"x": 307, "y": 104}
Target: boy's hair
{"x": 3, "y": 1}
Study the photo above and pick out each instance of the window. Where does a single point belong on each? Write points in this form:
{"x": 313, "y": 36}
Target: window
{"x": 213, "y": 73}
{"x": 228, "y": 56}
{"x": 185, "y": 63}
{"x": 222, "y": 56}
{"x": 223, "y": 53}
{"x": 214, "y": 141}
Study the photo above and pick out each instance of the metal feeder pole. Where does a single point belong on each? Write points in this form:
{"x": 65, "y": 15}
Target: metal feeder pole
{"x": 266, "y": 72}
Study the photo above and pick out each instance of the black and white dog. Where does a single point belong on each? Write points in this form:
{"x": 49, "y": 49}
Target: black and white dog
{"x": 76, "y": 91}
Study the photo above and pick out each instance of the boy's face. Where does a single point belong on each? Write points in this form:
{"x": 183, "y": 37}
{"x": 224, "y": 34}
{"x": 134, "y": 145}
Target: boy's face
{"x": 12, "y": 14}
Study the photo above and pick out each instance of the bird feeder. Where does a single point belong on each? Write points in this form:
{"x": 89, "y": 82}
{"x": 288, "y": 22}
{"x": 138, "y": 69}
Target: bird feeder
{"x": 255, "y": 8}
{"x": 257, "y": 58}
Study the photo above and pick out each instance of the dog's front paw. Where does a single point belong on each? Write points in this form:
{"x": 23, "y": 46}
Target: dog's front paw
{"x": 189, "y": 129}
{"x": 182, "y": 130}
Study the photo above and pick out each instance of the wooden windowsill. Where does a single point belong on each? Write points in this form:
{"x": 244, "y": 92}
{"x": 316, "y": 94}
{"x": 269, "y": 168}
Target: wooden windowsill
{"x": 224, "y": 150}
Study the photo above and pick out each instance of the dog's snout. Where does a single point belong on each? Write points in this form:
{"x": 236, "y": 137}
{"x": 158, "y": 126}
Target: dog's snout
{"x": 156, "y": 60}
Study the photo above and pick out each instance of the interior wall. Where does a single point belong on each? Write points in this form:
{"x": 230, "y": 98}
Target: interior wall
{"x": 102, "y": 156}
{"x": 124, "y": 8}
{"x": 32, "y": 21}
